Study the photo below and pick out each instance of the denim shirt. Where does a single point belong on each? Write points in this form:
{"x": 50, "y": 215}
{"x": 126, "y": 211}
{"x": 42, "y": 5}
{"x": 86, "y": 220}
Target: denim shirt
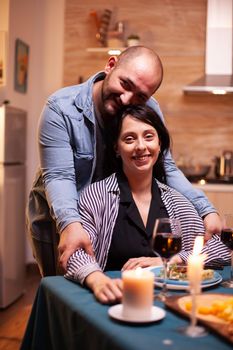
{"x": 67, "y": 147}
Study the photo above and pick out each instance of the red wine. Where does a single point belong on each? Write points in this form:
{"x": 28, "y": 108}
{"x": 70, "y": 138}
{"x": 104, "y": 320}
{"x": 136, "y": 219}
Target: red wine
{"x": 227, "y": 237}
{"x": 167, "y": 245}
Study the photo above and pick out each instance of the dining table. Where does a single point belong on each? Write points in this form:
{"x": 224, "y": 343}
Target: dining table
{"x": 66, "y": 315}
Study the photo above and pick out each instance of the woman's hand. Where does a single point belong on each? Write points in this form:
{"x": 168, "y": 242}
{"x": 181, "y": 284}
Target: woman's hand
{"x": 176, "y": 259}
{"x": 143, "y": 261}
{"x": 105, "y": 289}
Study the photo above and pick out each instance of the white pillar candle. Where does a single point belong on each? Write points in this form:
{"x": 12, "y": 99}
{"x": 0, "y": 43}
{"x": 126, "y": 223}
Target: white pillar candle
{"x": 195, "y": 266}
{"x": 138, "y": 288}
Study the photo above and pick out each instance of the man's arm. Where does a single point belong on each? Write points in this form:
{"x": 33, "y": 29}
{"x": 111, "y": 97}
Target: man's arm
{"x": 177, "y": 180}
{"x": 57, "y": 165}
{"x": 72, "y": 238}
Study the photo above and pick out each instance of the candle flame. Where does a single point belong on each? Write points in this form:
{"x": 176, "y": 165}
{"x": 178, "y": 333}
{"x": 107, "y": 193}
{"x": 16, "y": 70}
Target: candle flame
{"x": 138, "y": 271}
{"x": 198, "y": 245}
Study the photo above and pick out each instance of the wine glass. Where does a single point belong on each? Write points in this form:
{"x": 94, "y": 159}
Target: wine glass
{"x": 166, "y": 242}
{"x": 227, "y": 239}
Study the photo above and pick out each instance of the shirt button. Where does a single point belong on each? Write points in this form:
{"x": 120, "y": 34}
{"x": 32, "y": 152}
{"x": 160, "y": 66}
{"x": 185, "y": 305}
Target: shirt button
{"x": 144, "y": 243}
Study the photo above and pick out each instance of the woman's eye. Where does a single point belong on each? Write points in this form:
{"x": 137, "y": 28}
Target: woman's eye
{"x": 149, "y": 136}
{"x": 129, "y": 139}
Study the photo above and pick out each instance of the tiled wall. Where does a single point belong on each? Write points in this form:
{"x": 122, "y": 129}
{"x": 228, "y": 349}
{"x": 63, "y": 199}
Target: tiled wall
{"x": 201, "y": 125}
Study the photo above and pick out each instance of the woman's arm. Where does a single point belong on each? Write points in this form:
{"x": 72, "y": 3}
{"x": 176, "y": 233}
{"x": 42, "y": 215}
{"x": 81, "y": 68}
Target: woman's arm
{"x": 81, "y": 264}
{"x": 92, "y": 208}
{"x": 105, "y": 289}
{"x": 216, "y": 253}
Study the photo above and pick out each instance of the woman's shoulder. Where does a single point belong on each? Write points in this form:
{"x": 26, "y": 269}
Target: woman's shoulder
{"x": 167, "y": 190}
{"x": 108, "y": 184}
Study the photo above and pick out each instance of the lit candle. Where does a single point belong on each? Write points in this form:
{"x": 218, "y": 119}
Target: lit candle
{"x": 138, "y": 286}
{"x": 195, "y": 266}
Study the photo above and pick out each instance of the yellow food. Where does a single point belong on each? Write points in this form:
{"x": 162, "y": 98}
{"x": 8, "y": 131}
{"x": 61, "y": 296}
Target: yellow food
{"x": 222, "y": 309}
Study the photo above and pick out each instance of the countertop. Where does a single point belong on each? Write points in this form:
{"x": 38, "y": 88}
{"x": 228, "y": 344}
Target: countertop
{"x": 212, "y": 187}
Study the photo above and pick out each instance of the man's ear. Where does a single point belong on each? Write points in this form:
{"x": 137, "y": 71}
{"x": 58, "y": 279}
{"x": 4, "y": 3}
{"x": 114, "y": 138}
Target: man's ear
{"x": 111, "y": 64}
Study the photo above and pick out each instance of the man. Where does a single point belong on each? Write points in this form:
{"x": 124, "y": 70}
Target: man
{"x": 72, "y": 136}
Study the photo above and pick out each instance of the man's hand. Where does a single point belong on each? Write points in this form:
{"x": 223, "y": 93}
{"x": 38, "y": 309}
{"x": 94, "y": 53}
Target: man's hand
{"x": 106, "y": 290}
{"x": 72, "y": 238}
{"x": 213, "y": 225}
{"x": 143, "y": 261}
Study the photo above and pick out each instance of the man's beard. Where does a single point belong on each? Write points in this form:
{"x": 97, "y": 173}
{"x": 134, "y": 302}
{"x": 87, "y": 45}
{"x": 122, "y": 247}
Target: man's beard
{"x": 111, "y": 104}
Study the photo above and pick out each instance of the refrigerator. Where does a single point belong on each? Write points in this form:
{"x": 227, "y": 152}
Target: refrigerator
{"x": 12, "y": 203}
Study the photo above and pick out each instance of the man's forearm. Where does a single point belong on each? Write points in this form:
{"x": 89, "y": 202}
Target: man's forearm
{"x": 177, "y": 180}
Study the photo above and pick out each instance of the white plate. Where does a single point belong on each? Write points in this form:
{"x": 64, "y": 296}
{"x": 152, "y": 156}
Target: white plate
{"x": 116, "y": 312}
{"x": 184, "y": 285}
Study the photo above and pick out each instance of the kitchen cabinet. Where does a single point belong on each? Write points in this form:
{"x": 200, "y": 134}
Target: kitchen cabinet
{"x": 220, "y": 195}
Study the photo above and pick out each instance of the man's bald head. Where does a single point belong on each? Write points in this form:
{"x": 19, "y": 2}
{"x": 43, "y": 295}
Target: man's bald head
{"x": 144, "y": 53}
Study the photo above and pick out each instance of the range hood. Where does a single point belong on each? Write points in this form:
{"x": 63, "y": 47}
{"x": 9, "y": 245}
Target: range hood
{"x": 218, "y": 78}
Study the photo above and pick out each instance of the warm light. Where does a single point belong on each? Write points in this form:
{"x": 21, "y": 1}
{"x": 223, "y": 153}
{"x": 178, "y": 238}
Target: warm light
{"x": 169, "y": 243}
{"x": 138, "y": 290}
{"x": 138, "y": 271}
{"x": 219, "y": 92}
{"x": 114, "y": 52}
{"x": 195, "y": 265}
{"x": 202, "y": 182}
{"x": 198, "y": 245}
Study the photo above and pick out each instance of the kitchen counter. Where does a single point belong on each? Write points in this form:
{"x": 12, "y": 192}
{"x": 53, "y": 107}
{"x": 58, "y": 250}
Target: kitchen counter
{"x": 219, "y": 194}
{"x": 210, "y": 187}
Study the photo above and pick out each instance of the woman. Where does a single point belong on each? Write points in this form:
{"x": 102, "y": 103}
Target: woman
{"x": 119, "y": 212}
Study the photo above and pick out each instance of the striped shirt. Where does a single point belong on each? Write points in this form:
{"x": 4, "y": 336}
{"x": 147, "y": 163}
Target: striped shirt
{"x": 99, "y": 204}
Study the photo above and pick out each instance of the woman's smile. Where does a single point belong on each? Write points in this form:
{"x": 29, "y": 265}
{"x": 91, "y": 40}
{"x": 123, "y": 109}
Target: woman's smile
{"x": 138, "y": 145}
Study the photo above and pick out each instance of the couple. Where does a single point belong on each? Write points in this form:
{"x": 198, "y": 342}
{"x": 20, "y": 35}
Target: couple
{"x": 119, "y": 212}
{"x": 73, "y": 153}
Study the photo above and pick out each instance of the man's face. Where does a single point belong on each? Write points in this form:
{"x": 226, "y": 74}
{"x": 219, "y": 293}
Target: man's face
{"x": 131, "y": 82}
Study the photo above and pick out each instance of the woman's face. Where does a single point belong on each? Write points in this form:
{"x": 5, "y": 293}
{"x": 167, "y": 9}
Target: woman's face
{"x": 138, "y": 146}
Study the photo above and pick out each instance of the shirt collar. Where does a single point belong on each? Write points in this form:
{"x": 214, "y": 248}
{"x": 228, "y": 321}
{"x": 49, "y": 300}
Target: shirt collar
{"x": 126, "y": 195}
{"x": 84, "y": 100}
{"x": 112, "y": 184}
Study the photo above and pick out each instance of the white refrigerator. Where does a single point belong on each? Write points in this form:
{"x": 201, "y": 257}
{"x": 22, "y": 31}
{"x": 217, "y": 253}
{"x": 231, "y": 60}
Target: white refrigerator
{"x": 12, "y": 203}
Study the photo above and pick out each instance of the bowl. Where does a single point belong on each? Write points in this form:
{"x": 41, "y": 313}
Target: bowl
{"x": 195, "y": 172}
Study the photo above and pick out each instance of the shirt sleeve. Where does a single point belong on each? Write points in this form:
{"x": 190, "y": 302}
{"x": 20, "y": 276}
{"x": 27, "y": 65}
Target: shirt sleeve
{"x": 80, "y": 264}
{"x": 177, "y": 180}
{"x": 192, "y": 226}
{"x": 57, "y": 165}
{"x": 216, "y": 252}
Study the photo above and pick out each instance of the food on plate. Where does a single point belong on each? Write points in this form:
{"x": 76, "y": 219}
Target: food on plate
{"x": 222, "y": 309}
{"x": 179, "y": 272}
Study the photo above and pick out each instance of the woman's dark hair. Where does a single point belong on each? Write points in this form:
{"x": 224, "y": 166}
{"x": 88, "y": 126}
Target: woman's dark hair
{"x": 149, "y": 116}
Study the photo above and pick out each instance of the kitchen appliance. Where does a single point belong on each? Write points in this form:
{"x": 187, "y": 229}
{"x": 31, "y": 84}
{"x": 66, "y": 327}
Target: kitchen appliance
{"x": 224, "y": 165}
{"x": 12, "y": 203}
{"x": 218, "y": 78}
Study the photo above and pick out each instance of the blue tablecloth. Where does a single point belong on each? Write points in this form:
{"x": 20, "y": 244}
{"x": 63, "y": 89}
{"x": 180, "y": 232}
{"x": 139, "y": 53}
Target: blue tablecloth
{"x": 66, "y": 316}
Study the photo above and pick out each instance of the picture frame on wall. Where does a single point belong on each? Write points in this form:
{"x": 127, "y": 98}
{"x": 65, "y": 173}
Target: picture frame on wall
{"x": 21, "y": 66}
